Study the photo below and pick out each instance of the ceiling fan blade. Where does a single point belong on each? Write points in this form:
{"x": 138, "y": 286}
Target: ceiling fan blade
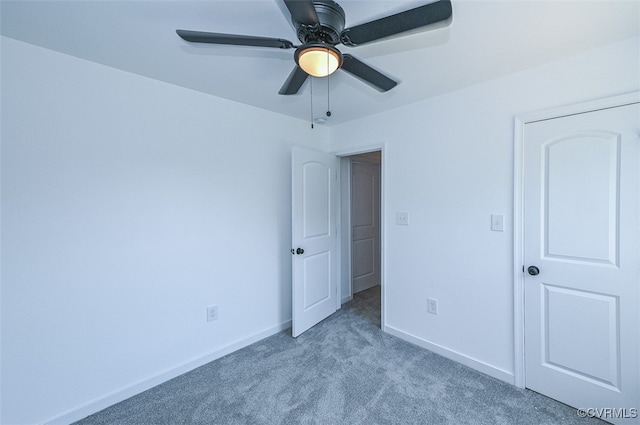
{"x": 302, "y": 11}
{"x": 233, "y": 39}
{"x": 395, "y": 24}
{"x": 294, "y": 82}
{"x": 366, "y": 73}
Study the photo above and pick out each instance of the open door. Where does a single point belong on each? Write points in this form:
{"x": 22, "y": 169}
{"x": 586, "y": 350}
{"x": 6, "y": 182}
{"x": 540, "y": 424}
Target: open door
{"x": 314, "y": 199}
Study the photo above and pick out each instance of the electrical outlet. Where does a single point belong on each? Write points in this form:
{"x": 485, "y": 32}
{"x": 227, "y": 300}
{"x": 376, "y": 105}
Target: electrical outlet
{"x": 212, "y": 313}
{"x": 402, "y": 218}
{"x": 432, "y": 306}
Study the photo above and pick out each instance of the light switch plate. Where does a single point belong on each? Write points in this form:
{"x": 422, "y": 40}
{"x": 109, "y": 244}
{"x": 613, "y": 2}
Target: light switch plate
{"x": 497, "y": 222}
{"x": 402, "y": 218}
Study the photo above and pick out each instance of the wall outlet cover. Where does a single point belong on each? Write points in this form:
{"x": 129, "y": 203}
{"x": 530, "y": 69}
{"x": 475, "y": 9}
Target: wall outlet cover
{"x": 432, "y": 306}
{"x": 212, "y": 313}
{"x": 402, "y": 218}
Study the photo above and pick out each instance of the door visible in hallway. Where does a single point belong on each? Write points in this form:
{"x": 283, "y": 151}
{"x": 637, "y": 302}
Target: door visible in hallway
{"x": 582, "y": 265}
{"x": 365, "y": 221}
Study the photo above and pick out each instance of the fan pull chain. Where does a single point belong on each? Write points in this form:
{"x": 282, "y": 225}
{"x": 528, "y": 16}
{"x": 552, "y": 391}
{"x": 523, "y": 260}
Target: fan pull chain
{"x": 328, "y": 77}
{"x": 311, "y": 90}
{"x": 328, "y": 102}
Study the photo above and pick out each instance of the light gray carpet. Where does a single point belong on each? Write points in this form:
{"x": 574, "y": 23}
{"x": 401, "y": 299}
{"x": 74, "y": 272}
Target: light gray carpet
{"x": 343, "y": 371}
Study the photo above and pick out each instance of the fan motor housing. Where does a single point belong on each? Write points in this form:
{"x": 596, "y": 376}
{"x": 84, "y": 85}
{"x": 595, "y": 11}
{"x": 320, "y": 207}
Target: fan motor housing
{"x": 332, "y": 20}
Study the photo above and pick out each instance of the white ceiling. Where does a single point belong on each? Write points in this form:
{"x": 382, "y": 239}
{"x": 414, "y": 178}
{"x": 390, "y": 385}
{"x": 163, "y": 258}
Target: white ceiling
{"x": 485, "y": 40}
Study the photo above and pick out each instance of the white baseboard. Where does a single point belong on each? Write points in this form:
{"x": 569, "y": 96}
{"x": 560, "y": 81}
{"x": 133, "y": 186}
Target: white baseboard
{"x": 478, "y": 365}
{"x": 124, "y": 393}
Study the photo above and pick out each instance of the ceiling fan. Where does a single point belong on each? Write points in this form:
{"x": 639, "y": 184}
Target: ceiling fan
{"x": 320, "y": 26}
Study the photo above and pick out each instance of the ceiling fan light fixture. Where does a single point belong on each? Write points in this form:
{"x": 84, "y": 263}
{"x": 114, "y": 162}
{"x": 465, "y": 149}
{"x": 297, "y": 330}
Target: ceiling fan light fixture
{"x": 318, "y": 60}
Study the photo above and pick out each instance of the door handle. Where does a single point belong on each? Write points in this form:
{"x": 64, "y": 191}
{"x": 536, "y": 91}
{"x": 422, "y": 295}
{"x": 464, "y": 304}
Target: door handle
{"x": 299, "y": 251}
{"x": 533, "y": 270}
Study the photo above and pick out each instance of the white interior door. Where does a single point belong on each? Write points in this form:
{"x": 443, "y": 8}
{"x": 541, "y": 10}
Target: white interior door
{"x": 365, "y": 224}
{"x": 314, "y": 237}
{"x": 581, "y": 221}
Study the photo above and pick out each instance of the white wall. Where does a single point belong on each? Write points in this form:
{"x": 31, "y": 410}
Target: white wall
{"x": 449, "y": 163}
{"x": 129, "y": 206}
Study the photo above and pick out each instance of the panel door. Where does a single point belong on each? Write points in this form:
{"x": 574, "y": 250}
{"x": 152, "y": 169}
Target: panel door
{"x": 582, "y": 255}
{"x": 314, "y": 237}
{"x": 365, "y": 225}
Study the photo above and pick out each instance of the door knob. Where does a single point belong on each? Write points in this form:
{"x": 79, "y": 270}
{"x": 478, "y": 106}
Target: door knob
{"x": 533, "y": 270}
{"x": 299, "y": 251}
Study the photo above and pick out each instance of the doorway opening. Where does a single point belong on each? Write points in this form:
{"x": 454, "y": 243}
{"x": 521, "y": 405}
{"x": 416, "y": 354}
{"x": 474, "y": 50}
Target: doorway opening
{"x": 361, "y": 234}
